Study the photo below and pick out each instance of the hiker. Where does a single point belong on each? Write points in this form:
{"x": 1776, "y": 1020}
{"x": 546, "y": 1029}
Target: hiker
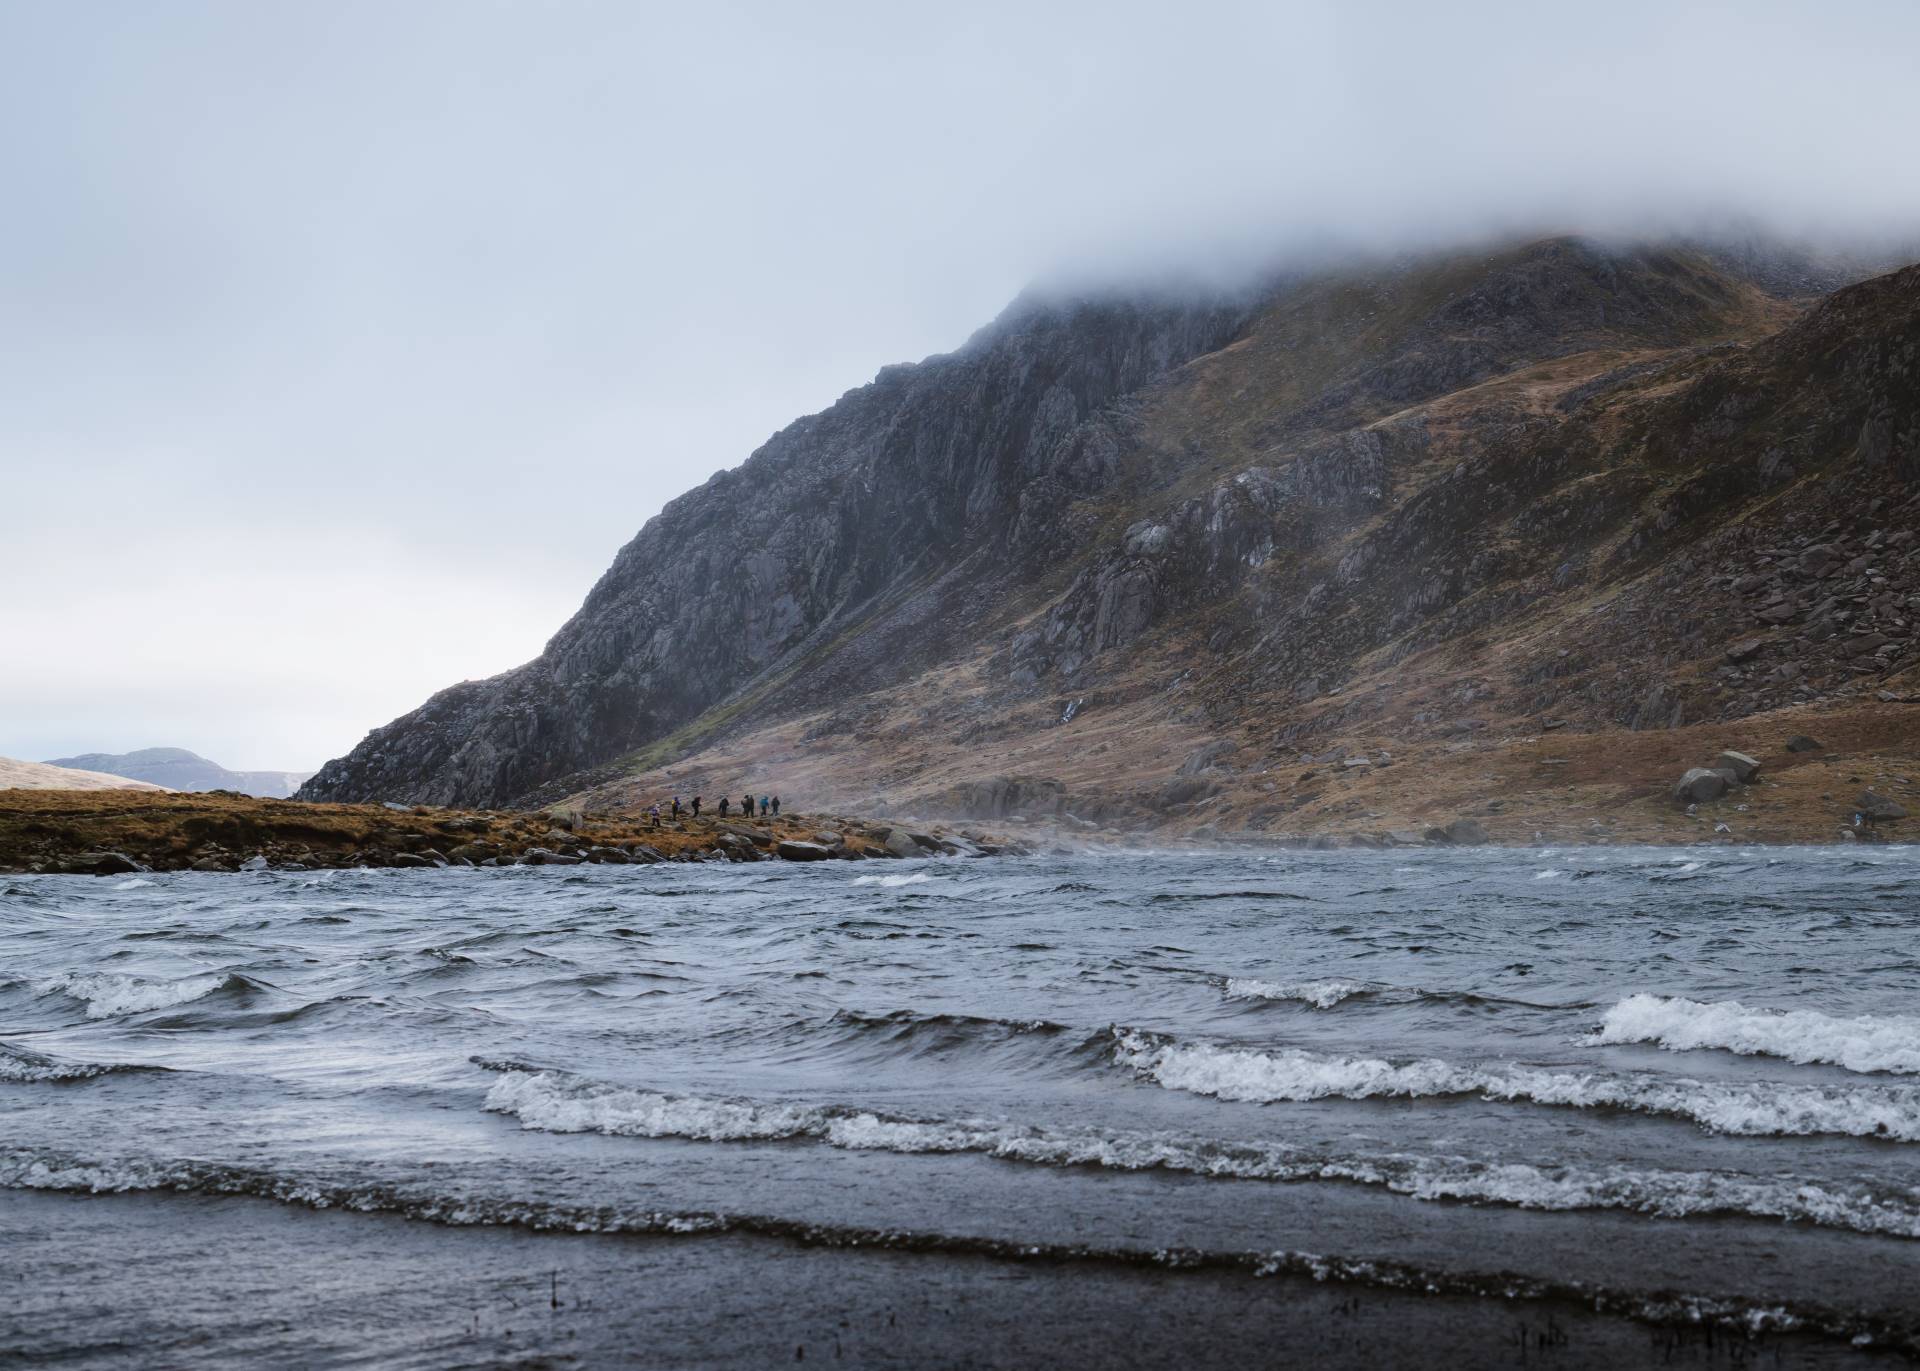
{"x": 776, "y": 806}
{"x": 763, "y": 806}
{"x": 655, "y": 812}
{"x": 696, "y": 806}
{"x": 746, "y": 807}
{"x": 676, "y": 806}
{"x": 723, "y": 806}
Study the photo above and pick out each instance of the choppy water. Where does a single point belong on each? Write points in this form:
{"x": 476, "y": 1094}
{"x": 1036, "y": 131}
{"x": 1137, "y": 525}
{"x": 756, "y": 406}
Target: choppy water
{"x": 1667, "y": 1081}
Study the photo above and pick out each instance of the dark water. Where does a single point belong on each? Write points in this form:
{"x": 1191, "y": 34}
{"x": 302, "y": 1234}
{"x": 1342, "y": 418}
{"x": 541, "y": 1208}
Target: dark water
{"x": 1676, "y": 1086}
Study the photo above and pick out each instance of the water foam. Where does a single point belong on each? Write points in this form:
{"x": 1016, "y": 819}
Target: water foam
{"x": 1867, "y": 1043}
{"x": 910, "y": 878}
{"x": 1748, "y": 1108}
{"x": 1320, "y": 994}
{"x": 57, "y": 1172}
{"x": 18, "y": 1066}
{"x": 558, "y": 1102}
{"x": 109, "y": 994}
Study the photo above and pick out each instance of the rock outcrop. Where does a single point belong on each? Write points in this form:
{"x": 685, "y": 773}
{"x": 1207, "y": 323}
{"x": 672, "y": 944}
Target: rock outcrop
{"x": 1610, "y": 489}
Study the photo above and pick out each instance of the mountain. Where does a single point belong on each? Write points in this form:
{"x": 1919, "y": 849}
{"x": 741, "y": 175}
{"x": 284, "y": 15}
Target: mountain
{"x": 175, "y": 768}
{"x": 1119, "y": 550}
{"x": 47, "y": 776}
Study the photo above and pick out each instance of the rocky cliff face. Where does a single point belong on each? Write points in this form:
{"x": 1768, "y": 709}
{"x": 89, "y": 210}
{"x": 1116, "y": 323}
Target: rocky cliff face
{"x": 906, "y": 492}
{"x": 1554, "y": 482}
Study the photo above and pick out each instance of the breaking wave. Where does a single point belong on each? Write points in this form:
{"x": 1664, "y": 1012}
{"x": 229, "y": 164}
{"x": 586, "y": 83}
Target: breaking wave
{"x": 21, "y": 1169}
{"x": 1868, "y": 1043}
{"x": 1320, "y": 994}
{"x": 21, "y": 1066}
{"x": 891, "y": 882}
{"x": 110, "y": 994}
{"x": 559, "y": 1102}
{"x": 1748, "y": 1108}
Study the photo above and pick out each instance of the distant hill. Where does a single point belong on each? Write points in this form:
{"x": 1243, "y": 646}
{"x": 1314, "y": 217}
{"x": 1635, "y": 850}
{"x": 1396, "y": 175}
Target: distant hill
{"x": 175, "y": 768}
{"x": 49, "y": 776}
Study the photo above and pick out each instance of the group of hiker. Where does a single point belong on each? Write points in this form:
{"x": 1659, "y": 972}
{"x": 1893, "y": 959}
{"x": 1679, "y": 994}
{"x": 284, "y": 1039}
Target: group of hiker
{"x": 769, "y": 806}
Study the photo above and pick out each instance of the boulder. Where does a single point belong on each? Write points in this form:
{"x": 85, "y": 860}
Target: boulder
{"x": 1743, "y": 767}
{"x": 1699, "y": 784}
{"x": 1466, "y": 833}
{"x": 209, "y": 864}
{"x": 1323, "y": 842}
{"x": 1406, "y": 837}
{"x": 1878, "y": 807}
{"x": 254, "y": 863}
{"x": 828, "y": 839}
{"x": 1185, "y": 790}
{"x": 643, "y": 855}
{"x": 1741, "y": 651}
{"x": 410, "y": 859}
{"x": 795, "y": 851}
{"x": 611, "y": 856}
{"x": 101, "y": 864}
{"x": 540, "y": 856}
{"x": 1800, "y": 742}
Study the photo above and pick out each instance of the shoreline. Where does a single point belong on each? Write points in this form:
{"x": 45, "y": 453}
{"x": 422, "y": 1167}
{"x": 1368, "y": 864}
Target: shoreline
{"x": 109, "y": 832}
{"x": 383, "y": 1287}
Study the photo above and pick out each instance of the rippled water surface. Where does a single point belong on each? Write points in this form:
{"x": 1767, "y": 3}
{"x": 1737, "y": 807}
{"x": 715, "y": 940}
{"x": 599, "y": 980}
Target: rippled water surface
{"x": 1652, "y": 1074}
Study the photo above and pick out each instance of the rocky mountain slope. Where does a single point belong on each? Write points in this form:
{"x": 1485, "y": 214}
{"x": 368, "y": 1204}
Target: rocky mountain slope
{"x": 1142, "y": 559}
{"x": 15, "y": 775}
{"x": 175, "y": 768}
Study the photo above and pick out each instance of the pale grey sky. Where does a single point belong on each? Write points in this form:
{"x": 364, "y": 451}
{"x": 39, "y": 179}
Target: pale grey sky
{"x": 341, "y": 344}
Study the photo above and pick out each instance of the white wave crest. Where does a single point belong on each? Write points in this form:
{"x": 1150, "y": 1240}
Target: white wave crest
{"x": 910, "y": 878}
{"x": 21, "y": 1067}
{"x": 1757, "y": 1108}
{"x": 133, "y": 884}
{"x": 109, "y": 994}
{"x": 1867, "y": 1043}
{"x": 1319, "y": 994}
{"x": 557, "y": 1102}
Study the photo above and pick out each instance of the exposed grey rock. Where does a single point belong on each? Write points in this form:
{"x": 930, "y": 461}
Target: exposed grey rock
{"x": 611, "y": 856}
{"x": 1461, "y": 833}
{"x": 410, "y": 859}
{"x": 1878, "y": 807}
{"x": 1699, "y": 784}
{"x": 101, "y": 863}
{"x": 210, "y": 864}
{"x": 793, "y": 850}
{"x": 1743, "y": 767}
{"x": 1205, "y": 757}
{"x": 540, "y": 856}
{"x": 1800, "y": 742}
{"x": 255, "y": 863}
{"x": 900, "y": 844}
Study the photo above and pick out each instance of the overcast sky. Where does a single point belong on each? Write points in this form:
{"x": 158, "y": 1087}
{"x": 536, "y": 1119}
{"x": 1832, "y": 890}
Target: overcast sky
{"x": 342, "y": 344}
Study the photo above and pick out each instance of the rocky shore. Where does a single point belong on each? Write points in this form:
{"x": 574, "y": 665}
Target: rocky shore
{"x": 126, "y": 832}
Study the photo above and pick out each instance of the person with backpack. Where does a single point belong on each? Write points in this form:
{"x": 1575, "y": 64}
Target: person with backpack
{"x": 723, "y": 806}
{"x": 776, "y": 806}
{"x": 696, "y": 806}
